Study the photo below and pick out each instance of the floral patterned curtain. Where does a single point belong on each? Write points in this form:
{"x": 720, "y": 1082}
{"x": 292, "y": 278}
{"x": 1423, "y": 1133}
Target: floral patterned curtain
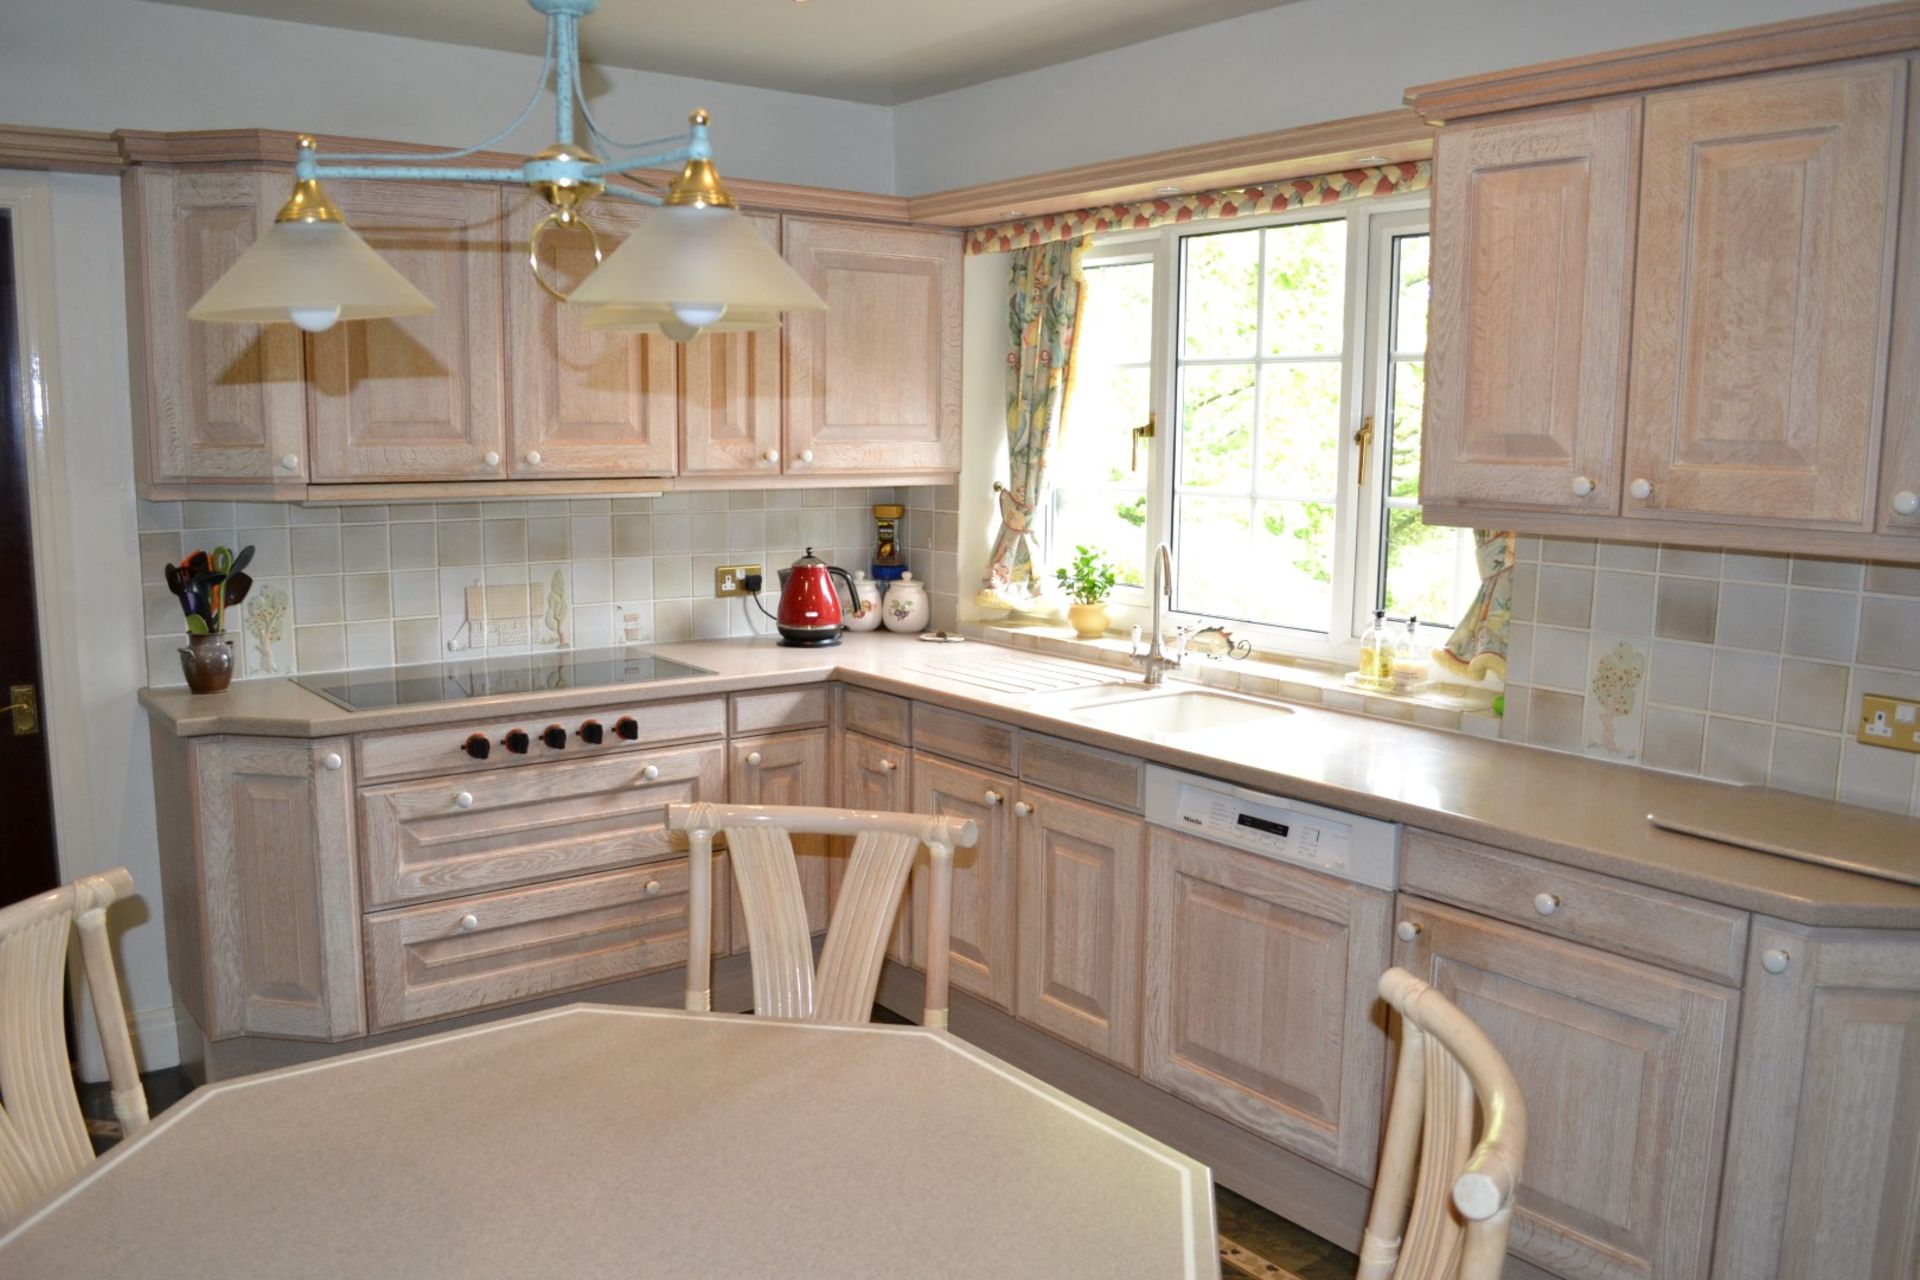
{"x": 1234, "y": 202}
{"x": 1043, "y": 318}
{"x": 1479, "y": 644}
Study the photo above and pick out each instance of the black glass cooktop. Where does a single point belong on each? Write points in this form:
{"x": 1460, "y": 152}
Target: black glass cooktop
{"x": 481, "y": 677}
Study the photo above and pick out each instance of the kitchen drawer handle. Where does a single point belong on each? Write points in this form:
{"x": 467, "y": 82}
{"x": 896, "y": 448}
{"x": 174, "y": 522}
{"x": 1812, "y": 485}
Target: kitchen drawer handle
{"x": 1906, "y": 503}
{"x": 1582, "y": 487}
{"x": 1021, "y": 809}
{"x": 1641, "y": 489}
{"x": 806, "y": 456}
{"x": 1546, "y": 903}
{"x": 653, "y": 888}
{"x": 770, "y": 457}
{"x": 993, "y": 799}
{"x": 1406, "y": 931}
{"x": 1776, "y": 960}
{"x": 533, "y": 457}
{"x": 753, "y": 759}
{"x": 650, "y": 773}
{"x": 333, "y": 762}
{"x": 491, "y": 458}
{"x": 469, "y": 922}
{"x": 464, "y": 800}
{"x": 889, "y": 766}
{"x": 288, "y": 461}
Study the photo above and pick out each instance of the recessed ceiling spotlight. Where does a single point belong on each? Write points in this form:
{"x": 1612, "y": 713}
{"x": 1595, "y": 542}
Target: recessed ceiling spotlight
{"x": 1167, "y": 191}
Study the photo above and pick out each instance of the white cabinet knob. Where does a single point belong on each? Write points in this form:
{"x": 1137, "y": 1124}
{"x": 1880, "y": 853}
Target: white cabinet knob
{"x": 1775, "y": 961}
{"x": 806, "y": 455}
{"x": 889, "y": 765}
{"x": 1545, "y": 903}
{"x": 1582, "y": 486}
{"x": 1641, "y": 489}
{"x": 1906, "y": 502}
{"x": 753, "y": 759}
{"x": 1406, "y": 931}
{"x": 469, "y": 922}
{"x": 491, "y": 458}
{"x": 533, "y": 457}
{"x": 333, "y": 761}
{"x": 464, "y": 800}
{"x": 1021, "y": 809}
{"x": 650, "y": 773}
{"x": 993, "y": 799}
{"x": 653, "y": 888}
{"x": 770, "y": 457}
{"x": 289, "y": 461}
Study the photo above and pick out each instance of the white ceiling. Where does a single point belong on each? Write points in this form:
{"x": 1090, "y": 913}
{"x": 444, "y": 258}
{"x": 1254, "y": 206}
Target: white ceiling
{"x": 879, "y": 51}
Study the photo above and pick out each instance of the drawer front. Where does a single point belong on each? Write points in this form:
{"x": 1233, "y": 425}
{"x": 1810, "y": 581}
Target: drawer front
{"x": 878, "y": 715}
{"x": 445, "y": 836}
{"x": 1082, "y": 771}
{"x": 964, "y": 737}
{"x": 442, "y": 749}
{"x": 1614, "y": 915}
{"x": 781, "y": 709}
{"x": 454, "y": 957}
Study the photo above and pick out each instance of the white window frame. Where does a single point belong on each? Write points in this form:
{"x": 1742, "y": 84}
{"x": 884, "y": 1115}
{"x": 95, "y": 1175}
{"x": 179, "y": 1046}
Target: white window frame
{"x": 1357, "y": 551}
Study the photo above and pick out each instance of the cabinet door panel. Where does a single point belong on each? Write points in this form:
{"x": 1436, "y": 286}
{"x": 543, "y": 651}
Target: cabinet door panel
{"x": 1081, "y": 882}
{"x": 417, "y": 397}
{"x": 876, "y": 777}
{"x": 222, "y": 402}
{"x": 1823, "y": 1152}
{"x": 1900, "y": 465}
{"x": 584, "y": 403}
{"x": 982, "y": 938}
{"x": 730, "y": 395}
{"x": 1261, "y": 1001}
{"x": 786, "y": 768}
{"x": 873, "y": 383}
{"x": 1625, "y": 1069}
{"x": 1760, "y": 304}
{"x": 1532, "y": 253}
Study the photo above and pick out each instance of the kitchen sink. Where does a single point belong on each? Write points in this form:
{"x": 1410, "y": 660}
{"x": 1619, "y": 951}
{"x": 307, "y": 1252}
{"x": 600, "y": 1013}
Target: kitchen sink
{"x": 1176, "y": 714}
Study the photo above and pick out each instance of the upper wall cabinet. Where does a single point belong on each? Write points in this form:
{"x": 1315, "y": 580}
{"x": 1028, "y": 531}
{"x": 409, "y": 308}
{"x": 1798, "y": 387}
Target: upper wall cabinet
{"x": 583, "y": 403}
{"x": 1533, "y": 251}
{"x": 730, "y": 402}
{"x": 222, "y": 404}
{"x": 1771, "y": 384}
{"x": 873, "y": 384}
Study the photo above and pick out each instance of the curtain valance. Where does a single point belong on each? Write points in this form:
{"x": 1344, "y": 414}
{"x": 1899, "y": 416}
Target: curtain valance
{"x": 1233, "y": 202}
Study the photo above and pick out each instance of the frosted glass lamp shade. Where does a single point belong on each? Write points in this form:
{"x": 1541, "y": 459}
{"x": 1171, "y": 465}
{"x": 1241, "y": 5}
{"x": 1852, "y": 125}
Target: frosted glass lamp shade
{"x": 312, "y": 273}
{"x": 662, "y": 320}
{"x": 693, "y": 260}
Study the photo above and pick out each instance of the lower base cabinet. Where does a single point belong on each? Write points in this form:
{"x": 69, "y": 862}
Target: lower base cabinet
{"x": 1260, "y": 997}
{"x": 785, "y": 769}
{"x": 1626, "y": 1070}
{"x": 983, "y": 881}
{"x": 1823, "y": 1152}
{"x": 877, "y": 777}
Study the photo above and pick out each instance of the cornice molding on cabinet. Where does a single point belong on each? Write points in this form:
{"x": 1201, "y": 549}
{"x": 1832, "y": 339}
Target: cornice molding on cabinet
{"x": 1394, "y": 135}
{"x": 1880, "y": 31}
{"x": 218, "y": 147}
{"x": 72, "y": 150}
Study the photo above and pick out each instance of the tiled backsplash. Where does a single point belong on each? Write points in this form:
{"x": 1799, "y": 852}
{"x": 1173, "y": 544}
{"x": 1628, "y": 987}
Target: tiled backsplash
{"x": 370, "y": 586}
{"x": 1737, "y": 666}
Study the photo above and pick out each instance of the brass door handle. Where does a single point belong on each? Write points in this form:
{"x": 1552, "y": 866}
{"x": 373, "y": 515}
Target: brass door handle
{"x": 24, "y": 703}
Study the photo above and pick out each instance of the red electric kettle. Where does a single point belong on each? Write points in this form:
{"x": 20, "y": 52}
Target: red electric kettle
{"x": 809, "y": 614}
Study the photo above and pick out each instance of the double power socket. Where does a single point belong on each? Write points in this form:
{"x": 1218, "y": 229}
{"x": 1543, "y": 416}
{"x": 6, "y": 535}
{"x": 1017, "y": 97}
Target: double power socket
{"x": 1890, "y": 722}
{"x": 731, "y": 579}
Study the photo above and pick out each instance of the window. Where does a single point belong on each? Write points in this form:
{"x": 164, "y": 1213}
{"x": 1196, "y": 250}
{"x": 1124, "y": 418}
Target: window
{"x": 1256, "y": 354}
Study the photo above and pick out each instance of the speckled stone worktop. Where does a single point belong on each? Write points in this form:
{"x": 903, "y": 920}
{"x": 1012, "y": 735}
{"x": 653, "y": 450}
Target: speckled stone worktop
{"x": 1567, "y": 809}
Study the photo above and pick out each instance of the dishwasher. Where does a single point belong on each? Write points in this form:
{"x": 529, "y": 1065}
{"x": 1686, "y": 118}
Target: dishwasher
{"x": 1363, "y": 850}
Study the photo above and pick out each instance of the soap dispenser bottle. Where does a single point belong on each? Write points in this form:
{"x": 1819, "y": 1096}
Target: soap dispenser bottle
{"x": 1410, "y": 664}
{"x": 1376, "y": 654}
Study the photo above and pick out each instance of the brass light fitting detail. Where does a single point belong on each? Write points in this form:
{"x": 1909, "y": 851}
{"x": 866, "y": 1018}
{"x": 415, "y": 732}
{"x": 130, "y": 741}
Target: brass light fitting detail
{"x": 309, "y": 202}
{"x": 567, "y": 194}
{"x": 699, "y": 183}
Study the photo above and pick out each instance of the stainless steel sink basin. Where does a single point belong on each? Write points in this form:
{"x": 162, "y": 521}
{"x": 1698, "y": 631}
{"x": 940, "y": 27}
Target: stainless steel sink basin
{"x": 1176, "y": 713}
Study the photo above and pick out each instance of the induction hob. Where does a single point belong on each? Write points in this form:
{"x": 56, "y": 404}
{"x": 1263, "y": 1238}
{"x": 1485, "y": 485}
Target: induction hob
{"x": 483, "y": 677}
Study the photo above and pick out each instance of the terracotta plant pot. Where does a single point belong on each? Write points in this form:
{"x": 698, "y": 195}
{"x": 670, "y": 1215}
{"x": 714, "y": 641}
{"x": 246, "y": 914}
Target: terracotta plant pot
{"x": 1089, "y": 621}
{"x": 208, "y": 662}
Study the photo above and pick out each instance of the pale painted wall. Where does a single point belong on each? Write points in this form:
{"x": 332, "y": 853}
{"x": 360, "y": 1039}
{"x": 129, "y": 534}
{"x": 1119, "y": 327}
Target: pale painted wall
{"x": 1297, "y": 64}
{"x": 107, "y": 64}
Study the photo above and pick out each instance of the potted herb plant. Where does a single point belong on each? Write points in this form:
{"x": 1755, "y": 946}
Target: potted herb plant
{"x": 1089, "y": 582}
{"x": 207, "y": 586}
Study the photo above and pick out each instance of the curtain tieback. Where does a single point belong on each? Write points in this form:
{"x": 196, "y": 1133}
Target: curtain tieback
{"x": 1013, "y": 508}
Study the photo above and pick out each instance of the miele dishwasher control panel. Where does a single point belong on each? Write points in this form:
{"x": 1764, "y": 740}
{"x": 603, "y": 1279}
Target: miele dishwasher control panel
{"x": 1364, "y": 850}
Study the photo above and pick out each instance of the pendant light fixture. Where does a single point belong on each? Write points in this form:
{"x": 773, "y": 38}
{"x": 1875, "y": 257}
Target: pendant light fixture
{"x": 696, "y": 265}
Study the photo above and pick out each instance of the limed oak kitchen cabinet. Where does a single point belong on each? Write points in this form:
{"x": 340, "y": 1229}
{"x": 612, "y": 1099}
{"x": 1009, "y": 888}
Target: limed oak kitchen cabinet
{"x": 982, "y": 927}
{"x": 786, "y": 769}
{"x": 731, "y": 398}
{"x": 877, "y": 777}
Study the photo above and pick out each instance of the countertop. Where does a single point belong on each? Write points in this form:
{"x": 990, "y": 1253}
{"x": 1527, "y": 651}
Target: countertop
{"x": 1567, "y": 809}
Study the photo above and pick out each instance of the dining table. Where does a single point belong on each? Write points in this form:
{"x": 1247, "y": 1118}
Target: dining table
{"x": 599, "y": 1140}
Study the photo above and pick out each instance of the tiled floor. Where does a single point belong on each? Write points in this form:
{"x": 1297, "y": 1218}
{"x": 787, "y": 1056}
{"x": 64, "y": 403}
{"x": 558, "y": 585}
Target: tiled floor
{"x": 1254, "y": 1242}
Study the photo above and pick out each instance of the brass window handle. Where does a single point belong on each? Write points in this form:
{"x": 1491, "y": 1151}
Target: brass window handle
{"x": 1363, "y": 438}
{"x": 1139, "y": 434}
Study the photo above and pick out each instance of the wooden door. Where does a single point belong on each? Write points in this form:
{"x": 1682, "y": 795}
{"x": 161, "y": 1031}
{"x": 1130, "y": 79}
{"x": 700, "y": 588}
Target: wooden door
{"x": 1260, "y": 997}
{"x": 877, "y": 777}
{"x": 873, "y": 383}
{"x": 1761, "y": 298}
{"x": 1081, "y": 871}
{"x": 582, "y": 403}
{"x": 275, "y": 834}
{"x": 1527, "y": 359}
{"x": 1625, "y": 1069}
{"x": 1823, "y": 1152}
{"x": 418, "y": 397}
{"x": 218, "y": 402}
{"x": 730, "y": 396}
{"x": 982, "y": 935}
{"x": 1899, "y": 505}
{"x": 786, "y": 768}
